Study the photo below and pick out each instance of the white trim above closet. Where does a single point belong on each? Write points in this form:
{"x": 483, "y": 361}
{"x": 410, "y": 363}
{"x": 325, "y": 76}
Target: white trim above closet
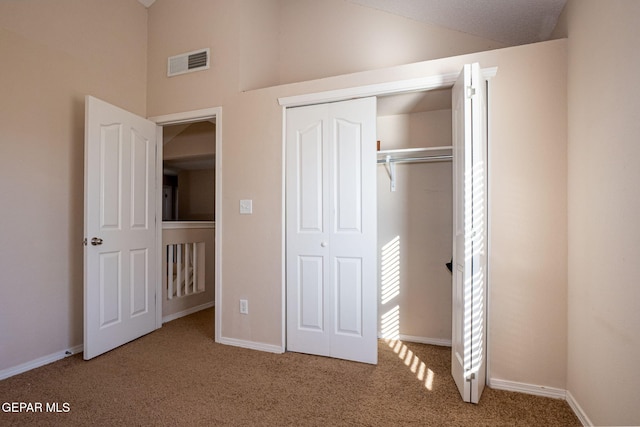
{"x": 412, "y": 155}
{"x": 390, "y": 88}
{"x": 433, "y": 82}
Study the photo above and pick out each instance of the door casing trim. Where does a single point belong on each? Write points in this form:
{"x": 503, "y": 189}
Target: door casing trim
{"x": 438, "y": 81}
{"x": 180, "y": 118}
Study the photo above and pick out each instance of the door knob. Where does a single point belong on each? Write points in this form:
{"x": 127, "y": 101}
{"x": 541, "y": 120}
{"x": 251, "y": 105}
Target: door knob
{"x": 323, "y": 244}
{"x": 96, "y": 241}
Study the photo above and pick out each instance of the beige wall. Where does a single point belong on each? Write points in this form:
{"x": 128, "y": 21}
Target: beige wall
{"x": 527, "y": 119}
{"x": 528, "y": 235}
{"x": 419, "y": 215}
{"x": 252, "y": 157}
{"x": 330, "y": 37}
{"x": 604, "y": 206}
{"x": 53, "y": 54}
{"x": 286, "y": 41}
{"x": 262, "y": 43}
{"x": 84, "y": 44}
{"x": 528, "y": 217}
{"x": 196, "y": 195}
{"x": 259, "y": 46}
{"x": 177, "y": 27}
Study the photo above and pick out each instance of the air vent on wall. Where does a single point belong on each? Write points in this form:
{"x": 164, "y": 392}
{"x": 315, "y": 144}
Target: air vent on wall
{"x": 188, "y": 62}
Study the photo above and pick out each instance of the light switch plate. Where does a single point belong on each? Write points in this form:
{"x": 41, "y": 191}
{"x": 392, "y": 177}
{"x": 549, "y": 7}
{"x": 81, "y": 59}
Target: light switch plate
{"x": 246, "y": 207}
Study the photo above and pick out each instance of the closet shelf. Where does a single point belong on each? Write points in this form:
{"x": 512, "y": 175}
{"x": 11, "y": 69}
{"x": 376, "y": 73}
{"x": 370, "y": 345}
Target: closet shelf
{"x": 412, "y": 155}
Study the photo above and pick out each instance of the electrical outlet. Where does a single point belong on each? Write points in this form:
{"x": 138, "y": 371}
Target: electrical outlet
{"x": 244, "y": 306}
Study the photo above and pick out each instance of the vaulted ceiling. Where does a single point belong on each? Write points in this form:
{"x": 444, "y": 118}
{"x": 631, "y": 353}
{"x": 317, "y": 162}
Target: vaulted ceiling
{"x": 513, "y": 22}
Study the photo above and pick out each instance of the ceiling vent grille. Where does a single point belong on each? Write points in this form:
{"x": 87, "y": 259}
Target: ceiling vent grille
{"x": 188, "y": 62}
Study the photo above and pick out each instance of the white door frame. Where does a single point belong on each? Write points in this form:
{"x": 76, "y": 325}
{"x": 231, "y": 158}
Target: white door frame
{"x": 180, "y": 118}
{"x": 440, "y": 81}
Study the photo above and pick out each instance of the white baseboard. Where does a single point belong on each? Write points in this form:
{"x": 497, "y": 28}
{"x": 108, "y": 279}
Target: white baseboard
{"x": 174, "y": 316}
{"x": 40, "y": 361}
{"x": 45, "y": 360}
{"x": 425, "y": 340}
{"x": 421, "y": 340}
{"x": 577, "y": 409}
{"x": 537, "y": 390}
{"x": 252, "y": 345}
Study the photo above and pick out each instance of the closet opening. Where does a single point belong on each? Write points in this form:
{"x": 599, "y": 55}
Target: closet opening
{"x": 431, "y": 237}
{"x": 415, "y": 220}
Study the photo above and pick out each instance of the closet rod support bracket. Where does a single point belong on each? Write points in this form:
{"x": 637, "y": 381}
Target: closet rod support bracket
{"x": 391, "y": 170}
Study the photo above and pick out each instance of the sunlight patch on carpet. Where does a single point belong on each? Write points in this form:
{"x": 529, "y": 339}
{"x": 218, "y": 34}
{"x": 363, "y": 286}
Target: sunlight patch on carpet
{"x": 413, "y": 362}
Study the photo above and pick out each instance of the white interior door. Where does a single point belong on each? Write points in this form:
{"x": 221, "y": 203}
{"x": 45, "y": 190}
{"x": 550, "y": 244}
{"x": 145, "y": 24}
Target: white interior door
{"x": 468, "y": 364}
{"x": 120, "y": 227}
{"x": 331, "y": 218}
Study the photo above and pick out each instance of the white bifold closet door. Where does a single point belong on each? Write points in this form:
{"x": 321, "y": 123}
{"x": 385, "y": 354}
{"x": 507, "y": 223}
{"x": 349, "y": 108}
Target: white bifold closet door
{"x": 468, "y": 350}
{"x": 331, "y": 228}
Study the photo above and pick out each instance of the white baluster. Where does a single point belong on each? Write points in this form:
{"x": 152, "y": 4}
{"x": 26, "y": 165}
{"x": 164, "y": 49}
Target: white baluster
{"x": 170, "y": 267}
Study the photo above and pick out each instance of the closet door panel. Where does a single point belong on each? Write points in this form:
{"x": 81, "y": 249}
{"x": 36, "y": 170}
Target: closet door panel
{"x": 309, "y": 178}
{"x": 347, "y": 188}
{"x": 331, "y": 230}
{"x": 354, "y": 237}
{"x": 348, "y": 304}
{"x": 310, "y": 293}
{"x": 468, "y": 351}
{"x": 306, "y": 227}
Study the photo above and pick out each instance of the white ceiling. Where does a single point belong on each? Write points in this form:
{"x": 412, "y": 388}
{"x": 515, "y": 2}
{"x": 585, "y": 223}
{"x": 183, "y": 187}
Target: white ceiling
{"x": 513, "y": 22}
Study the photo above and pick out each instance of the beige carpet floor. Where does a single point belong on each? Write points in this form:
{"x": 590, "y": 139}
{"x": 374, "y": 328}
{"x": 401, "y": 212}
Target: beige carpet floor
{"x": 179, "y": 376}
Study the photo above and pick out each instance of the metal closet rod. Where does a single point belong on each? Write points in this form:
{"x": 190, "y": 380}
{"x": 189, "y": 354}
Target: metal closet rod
{"x": 390, "y": 161}
{"x": 424, "y": 159}
{"x": 414, "y": 150}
